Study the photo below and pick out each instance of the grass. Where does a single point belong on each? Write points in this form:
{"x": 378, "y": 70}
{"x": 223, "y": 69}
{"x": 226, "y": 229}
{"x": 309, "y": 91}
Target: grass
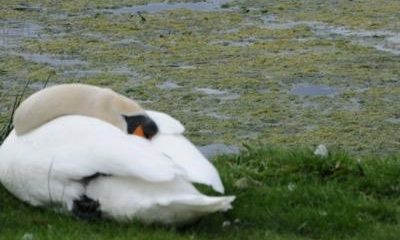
{"x": 281, "y": 194}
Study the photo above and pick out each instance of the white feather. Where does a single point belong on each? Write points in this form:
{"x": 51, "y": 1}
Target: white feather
{"x": 171, "y": 142}
{"x": 165, "y": 123}
{"x": 176, "y": 201}
{"x": 185, "y": 154}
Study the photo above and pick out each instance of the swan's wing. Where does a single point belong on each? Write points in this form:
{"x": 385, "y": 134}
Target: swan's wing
{"x": 186, "y": 155}
{"x": 76, "y": 147}
{"x": 169, "y": 202}
{"x": 165, "y": 123}
{"x": 171, "y": 142}
{"x": 116, "y": 158}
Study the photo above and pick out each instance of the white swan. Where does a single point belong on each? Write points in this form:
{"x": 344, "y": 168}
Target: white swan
{"x": 89, "y": 166}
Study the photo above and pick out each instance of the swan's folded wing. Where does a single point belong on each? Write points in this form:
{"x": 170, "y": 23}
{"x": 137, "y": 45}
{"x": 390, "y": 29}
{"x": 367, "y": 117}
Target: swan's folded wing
{"x": 186, "y": 155}
{"x": 165, "y": 123}
{"x": 171, "y": 142}
{"x": 124, "y": 158}
{"x": 77, "y": 147}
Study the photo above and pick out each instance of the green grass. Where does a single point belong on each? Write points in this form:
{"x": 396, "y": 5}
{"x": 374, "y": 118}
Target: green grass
{"x": 281, "y": 194}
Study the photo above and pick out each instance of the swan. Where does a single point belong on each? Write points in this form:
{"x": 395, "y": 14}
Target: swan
{"x": 87, "y": 166}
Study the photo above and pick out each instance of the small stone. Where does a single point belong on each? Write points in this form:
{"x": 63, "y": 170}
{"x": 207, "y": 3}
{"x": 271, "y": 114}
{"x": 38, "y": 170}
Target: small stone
{"x": 236, "y": 221}
{"x": 321, "y": 150}
{"x": 323, "y": 213}
{"x": 242, "y": 183}
{"x": 291, "y": 187}
{"x": 226, "y": 224}
{"x": 27, "y": 236}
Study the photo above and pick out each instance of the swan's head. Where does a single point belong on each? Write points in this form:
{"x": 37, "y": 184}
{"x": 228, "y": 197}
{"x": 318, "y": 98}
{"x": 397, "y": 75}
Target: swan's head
{"x": 87, "y": 100}
{"x": 126, "y": 114}
{"x": 141, "y": 125}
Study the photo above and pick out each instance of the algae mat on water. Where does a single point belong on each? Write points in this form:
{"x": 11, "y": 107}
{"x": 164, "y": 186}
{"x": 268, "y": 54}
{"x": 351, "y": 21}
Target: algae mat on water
{"x": 235, "y": 66}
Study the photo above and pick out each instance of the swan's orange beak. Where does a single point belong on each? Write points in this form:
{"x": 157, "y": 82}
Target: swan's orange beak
{"x": 141, "y": 125}
{"x": 139, "y": 131}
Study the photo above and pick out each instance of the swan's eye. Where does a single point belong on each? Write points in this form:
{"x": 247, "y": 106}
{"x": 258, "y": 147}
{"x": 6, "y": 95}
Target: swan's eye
{"x": 141, "y": 125}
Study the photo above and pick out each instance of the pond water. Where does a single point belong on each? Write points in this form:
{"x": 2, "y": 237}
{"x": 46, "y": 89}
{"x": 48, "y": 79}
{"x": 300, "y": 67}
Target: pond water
{"x": 381, "y": 40}
{"x": 52, "y": 60}
{"x": 215, "y": 149}
{"x": 211, "y": 91}
{"x": 168, "y": 85}
{"x": 12, "y": 32}
{"x": 211, "y": 5}
{"x": 221, "y": 94}
{"x": 241, "y": 43}
{"x": 312, "y": 90}
{"x": 393, "y": 120}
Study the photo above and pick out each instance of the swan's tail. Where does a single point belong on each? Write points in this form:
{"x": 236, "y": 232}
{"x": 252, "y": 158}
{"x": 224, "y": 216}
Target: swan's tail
{"x": 172, "y": 202}
{"x": 186, "y": 209}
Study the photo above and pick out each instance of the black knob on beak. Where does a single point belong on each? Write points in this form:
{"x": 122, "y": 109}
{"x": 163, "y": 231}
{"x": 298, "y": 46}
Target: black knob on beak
{"x": 141, "y": 125}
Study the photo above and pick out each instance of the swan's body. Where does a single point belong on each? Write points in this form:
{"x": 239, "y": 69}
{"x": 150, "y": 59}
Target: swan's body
{"x": 136, "y": 178}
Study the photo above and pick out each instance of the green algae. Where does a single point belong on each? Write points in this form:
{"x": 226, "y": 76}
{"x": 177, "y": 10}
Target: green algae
{"x": 367, "y": 14}
{"x": 232, "y": 51}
